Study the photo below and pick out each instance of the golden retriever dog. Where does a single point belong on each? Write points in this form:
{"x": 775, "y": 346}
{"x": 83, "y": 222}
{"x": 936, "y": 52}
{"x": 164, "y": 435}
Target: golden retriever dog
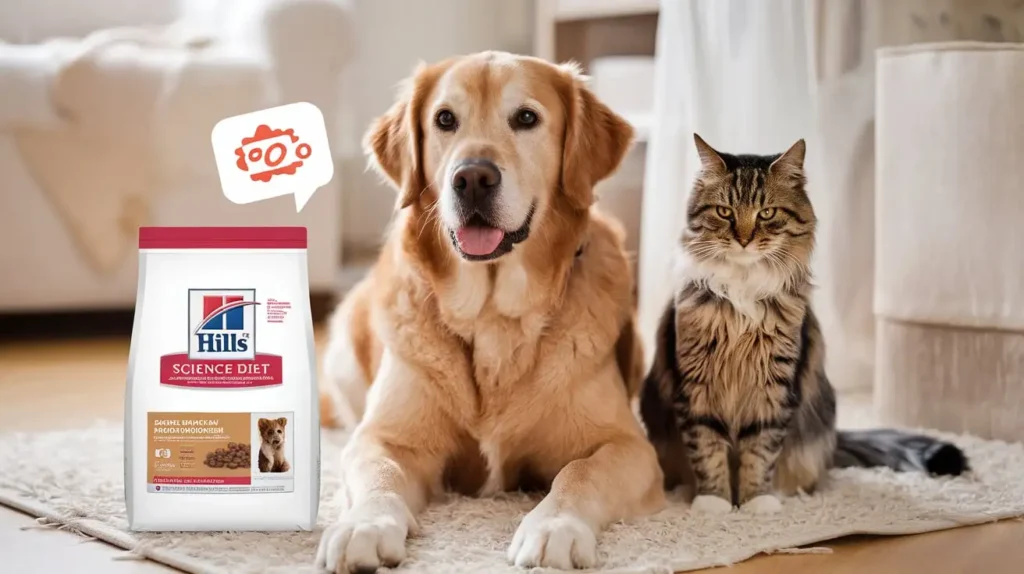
{"x": 497, "y": 326}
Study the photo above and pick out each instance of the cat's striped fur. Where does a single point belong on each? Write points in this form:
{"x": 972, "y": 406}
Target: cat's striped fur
{"x": 739, "y": 370}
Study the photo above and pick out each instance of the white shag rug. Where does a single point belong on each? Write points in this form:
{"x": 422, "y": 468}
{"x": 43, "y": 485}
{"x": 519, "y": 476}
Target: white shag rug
{"x": 73, "y": 480}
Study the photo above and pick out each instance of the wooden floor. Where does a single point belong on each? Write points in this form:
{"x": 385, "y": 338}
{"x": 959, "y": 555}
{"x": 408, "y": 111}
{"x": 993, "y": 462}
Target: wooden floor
{"x": 68, "y": 384}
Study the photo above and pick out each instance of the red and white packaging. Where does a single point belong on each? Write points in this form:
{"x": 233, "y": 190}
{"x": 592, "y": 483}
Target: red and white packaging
{"x": 221, "y": 412}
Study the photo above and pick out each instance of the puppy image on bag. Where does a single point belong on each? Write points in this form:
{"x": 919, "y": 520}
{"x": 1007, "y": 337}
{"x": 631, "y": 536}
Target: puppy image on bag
{"x": 272, "y": 457}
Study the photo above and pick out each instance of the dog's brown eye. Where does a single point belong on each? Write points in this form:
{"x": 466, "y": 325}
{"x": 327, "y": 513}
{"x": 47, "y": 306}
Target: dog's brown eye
{"x": 724, "y": 212}
{"x": 767, "y": 213}
{"x": 446, "y": 121}
{"x": 524, "y": 119}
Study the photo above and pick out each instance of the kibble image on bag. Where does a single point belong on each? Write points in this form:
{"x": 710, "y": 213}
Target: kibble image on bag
{"x": 221, "y": 410}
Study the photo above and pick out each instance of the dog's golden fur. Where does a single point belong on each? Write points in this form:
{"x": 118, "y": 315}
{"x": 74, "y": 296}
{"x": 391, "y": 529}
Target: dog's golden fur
{"x": 514, "y": 373}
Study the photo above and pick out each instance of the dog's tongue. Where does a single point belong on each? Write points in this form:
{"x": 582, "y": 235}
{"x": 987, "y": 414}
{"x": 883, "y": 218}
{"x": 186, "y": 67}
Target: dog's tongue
{"x": 476, "y": 240}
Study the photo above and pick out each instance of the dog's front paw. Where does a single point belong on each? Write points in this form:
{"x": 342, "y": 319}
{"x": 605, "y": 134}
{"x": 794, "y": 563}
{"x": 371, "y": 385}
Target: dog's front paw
{"x": 553, "y": 540}
{"x": 711, "y": 504}
{"x": 763, "y": 504}
{"x": 370, "y": 535}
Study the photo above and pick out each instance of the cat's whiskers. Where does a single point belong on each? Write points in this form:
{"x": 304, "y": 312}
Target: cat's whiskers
{"x": 703, "y": 249}
{"x": 796, "y": 270}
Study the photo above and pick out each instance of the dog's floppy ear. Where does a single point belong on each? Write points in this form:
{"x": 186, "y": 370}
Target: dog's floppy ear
{"x": 282, "y": 421}
{"x": 596, "y": 139}
{"x": 263, "y": 424}
{"x": 394, "y": 142}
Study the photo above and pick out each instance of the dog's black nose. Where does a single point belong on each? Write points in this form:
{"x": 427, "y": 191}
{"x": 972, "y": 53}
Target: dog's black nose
{"x": 476, "y": 179}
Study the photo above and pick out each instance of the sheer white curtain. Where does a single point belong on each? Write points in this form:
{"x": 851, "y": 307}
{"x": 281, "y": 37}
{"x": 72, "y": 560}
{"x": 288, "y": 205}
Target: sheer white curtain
{"x": 736, "y": 72}
{"x": 754, "y": 76}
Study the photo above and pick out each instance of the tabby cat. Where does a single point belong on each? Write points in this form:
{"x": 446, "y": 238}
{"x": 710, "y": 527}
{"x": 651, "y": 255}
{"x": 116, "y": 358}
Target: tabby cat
{"x": 738, "y": 385}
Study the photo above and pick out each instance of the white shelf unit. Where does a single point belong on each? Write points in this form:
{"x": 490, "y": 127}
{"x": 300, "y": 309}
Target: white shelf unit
{"x": 566, "y": 10}
{"x": 582, "y": 30}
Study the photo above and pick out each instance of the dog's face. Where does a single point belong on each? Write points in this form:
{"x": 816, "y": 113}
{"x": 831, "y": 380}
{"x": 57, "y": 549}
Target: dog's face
{"x": 272, "y": 431}
{"x": 489, "y": 143}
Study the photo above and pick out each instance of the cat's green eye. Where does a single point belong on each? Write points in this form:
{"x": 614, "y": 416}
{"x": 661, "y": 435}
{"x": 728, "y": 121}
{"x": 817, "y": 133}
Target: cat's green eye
{"x": 767, "y": 213}
{"x": 724, "y": 212}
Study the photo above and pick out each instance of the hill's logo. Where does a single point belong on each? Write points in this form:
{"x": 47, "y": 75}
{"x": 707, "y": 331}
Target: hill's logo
{"x": 222, "y": 323}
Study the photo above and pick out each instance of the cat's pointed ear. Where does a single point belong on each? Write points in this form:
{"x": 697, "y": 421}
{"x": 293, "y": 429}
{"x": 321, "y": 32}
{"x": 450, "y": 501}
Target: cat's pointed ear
{"x": 710, "y": 160}
{"x": 792, "y": 161}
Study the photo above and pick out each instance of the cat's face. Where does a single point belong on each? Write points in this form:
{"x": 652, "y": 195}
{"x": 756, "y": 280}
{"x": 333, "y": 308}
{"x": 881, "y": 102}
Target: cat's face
{"x": 749, "y": 210}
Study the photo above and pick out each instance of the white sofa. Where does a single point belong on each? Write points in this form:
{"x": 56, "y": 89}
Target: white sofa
{"x": 949, "y": 278}
{"x": 157, "y": 78}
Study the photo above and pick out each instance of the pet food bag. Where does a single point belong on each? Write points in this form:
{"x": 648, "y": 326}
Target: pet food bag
{"x": 221, "y": 415}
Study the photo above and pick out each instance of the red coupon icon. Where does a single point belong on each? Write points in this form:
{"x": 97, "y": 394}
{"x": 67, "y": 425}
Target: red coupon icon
{"x": 267, "y": 149}
{"x": 273, "y": 152}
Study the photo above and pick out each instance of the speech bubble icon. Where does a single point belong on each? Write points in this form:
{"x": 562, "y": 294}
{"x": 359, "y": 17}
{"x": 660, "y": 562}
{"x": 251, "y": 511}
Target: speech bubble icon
{"x": 273, "y": 152}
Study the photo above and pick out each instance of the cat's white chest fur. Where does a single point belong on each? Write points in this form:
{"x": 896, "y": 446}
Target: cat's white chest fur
{"x": 744, "y": 286}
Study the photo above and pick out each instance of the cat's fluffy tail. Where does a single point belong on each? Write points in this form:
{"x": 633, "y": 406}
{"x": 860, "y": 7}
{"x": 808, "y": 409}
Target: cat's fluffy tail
{"x": 899, "y": 450}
